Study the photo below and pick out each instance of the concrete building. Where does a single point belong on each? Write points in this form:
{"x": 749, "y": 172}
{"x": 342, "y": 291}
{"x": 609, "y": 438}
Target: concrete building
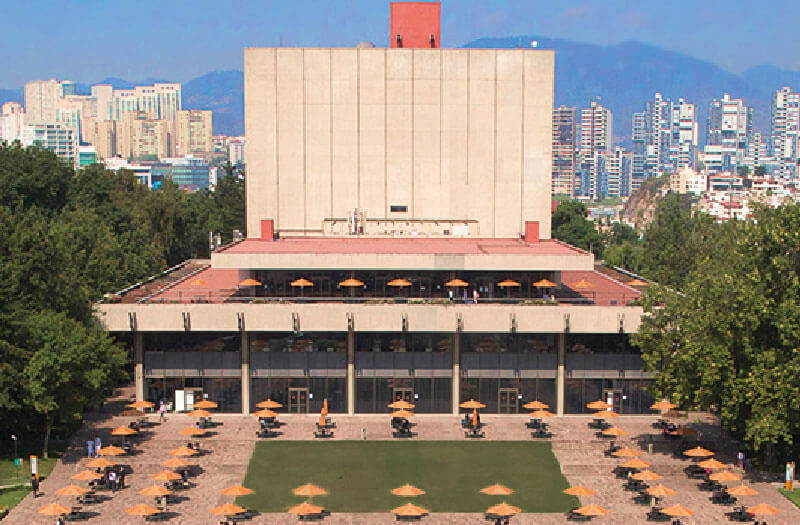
{"x": 53, "y": 137}
{"x": 12, "y": 119}
{"x": 236, "y": 151}
{"x": 102, "y": 134}
{"x": 785, "y": 131}
{"x": 565, "y": 148}
{"x": 41, "y": 98}
{"x": 194, "y": 131}
{"x": 188, "y": 172}
{"x": 87, "y": 156}
{"x": 596, "y": 130}
{"x": 158, "y": 102}
{"x": 376, "y": 179}
{"x": 139, "y": 137}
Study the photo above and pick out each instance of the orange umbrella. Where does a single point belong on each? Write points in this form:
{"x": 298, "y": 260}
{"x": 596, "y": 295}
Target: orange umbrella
{"x": 635, "y": 463}
{"x": 698, "y": 452}
{"x": 351, "y": 283}
{"x": 198, "y": 282}
{"x": 402, "y": 413}
{"x": 712, "y": 464}
{"x": 322, "y": 419}
{"x": 592, "y": 510}
{"x": 456, "y": 282}
{"x": 205, "y": 403}
{"x": 743, "y": 490}
{"x": 302, "y": 283}
{"x": 403, "y": 405}
{"x": 155, "y": 490}
{"x": 646, "y": 475}
{"x": 236, "y": 490}
{"x": 496, "y": 490}
{"x": 131, "y": 412}
{"x": 141, "y": 404}
{"x": 407, "y": 491}
{"x": 265, "y": 413}
{"x": 192, "y": 431}
{"x": 175, "y": 463}
{"x": 111, "y": 451}
{"x": 763, "y": 510}
{"x": 662, "y": 405}
{"x": 503, "y": 509}
{"x": 683, "y": 431}
{"x": 626, "y": 453}
{"x": 615, "y": 431}
{"x": 165, "y": 475}
{"x": 123, "y": 431}
{"x": 325, "y": 407}
{"x": 409, "y": 509}
{"x": 583, "y": 284}
{"x": 507, "y": 283}
{"x": 636, "y": 282}
{"x": 100, "y": 463}
{"x": 249, "y": 282}
{"x": 183, "y": 451}
{"x": 606, "y": 413}
{"x": 269, "y": 404}
{"x": 142, "y": 510}
{"x": 660, "y": 491}
{"x": 579, "y": 490}
{"x": 309, "y": 489}
{"x": 54, "y": 509}
{"x": 535, "y": 405}
{"x": 725, "y": 475}
{"x": 86, "y": 475}
{"x": 399, "y": 282}
{"x": 199, "y": 412}
{"x": 228, "y": 509}
{"x": 544, "y": 283}
{"x": 598, "y": 405}
{"x": 677, "y": 511}
{"x": 472, "y": 404}
{"x": 474, "y": 417}
{"x": 72, "y": 490}
{"x": 538, "y": 414}
{"x": 304, "y": 509}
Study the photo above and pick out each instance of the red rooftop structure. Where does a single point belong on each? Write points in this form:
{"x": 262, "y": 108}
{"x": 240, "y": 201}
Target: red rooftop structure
{"x": 415, "y": 24}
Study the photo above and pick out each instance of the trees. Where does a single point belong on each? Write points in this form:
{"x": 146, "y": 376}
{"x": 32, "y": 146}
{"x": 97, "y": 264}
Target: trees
{"x": 569, "y": 224}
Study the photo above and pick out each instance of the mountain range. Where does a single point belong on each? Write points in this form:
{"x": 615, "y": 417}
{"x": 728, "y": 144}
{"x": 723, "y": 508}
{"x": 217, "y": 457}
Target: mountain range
{"x": 622, "y": 77}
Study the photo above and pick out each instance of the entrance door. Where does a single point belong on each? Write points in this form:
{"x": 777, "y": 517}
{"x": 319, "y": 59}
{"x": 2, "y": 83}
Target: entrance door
{"x": 613, "y": 396}
{"x": 298, "y": 400}
{"x": 507, "y": 401}
{"x": 403, "y": 394}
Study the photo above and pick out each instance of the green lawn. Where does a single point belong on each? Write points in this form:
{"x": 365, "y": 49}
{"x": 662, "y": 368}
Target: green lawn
{"x": 793, "y": 496}
{"x": 359, "y": 475}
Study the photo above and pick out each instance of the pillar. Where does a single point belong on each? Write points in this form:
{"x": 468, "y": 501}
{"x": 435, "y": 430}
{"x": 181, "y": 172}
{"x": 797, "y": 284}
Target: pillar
{"x": 351, "y": 372}
{"x": 245, "y": 351}
{"x": 456, "y": 372}
{"x": 138, "y": 365}
{"x": 561, "y": 372}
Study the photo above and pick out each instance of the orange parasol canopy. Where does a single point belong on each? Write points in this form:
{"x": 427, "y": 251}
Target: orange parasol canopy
{"x": 301, "y": 282}
{"x": 165, "y": 475}
{"x": 579, "y": 490}
{"x": 111, "y": 450}
{"x": 100, "y": 463}
{"x": 265, "y": 413}
{"x": 402, "y": 413}
{"x": 636, "y": 463}
{"x": 305, "y": 509}
{"x": 538, "y": 414}
{"x": 228, "y": 509}
{"x": 399, "y": 282}
{"x": 199, "y": 412}
{"x": 660, "y": 491}
{"x": 677, "y": 511}
{"x": 402, "y": 405}
{"x": 142, "y": 509}
{"x": 743, "y": 490}
{"x": 615, "y": 431}
{"x": 351, "y": 282}
{"x": 636, "y": 282}
{"x": 626, "y": 453}
{"x": 205, "y": 403}
{"x": 662, "y": 405}
{"x": 324, "y": 411}
{"x": 683, "y": 431}
{"x": 309, "y": 489}
{"x": 544, "y": 283}
{"x": 507, "y": 283}
{"x": 269, "y": 404}
{"x": 175, "y": 463}
{"x": 496, "y": 490}
{"x": 155, "y": 490}
{"x": 592, "y": 510}
{"x": 535, "y": 405}
{"x": 606, "y": 413}
{"x": 184, "y": 451}
{"x": 583, "y": 284}
{"x": 131, "y": 412}
{"x": 503, "y": 509}
{"x": 409, "y": 509}
{"x": 198, "y": 282}
{"x": 646, "y": 475}
{"x": 86, "y": 475}
{"x": 407, "y": 491}
{"x": 54, "y": 509}
{"x": 474, "y": 417}
{"x": 141, "y": 404}
{"x": 123, "y": 431}
{"x": 712, "y": 464}
{"x": 72, "y": 490}
{"x": 763, "y": 510}
{"x": 598, "y": 405}
{"x": 236, "y": 490}
{"x": 249, "y": 282}
{"x": 725, "y": 475}
{"x": 472, "y": 404}
{"x": 322, "y": 419}
{"x": 698, "y": 452}
{"x": 456, "y": 282}
{"x": 192, "y": 431}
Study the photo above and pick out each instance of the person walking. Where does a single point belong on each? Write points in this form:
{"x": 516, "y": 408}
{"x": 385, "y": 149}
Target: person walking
{"x": 35, "y": 485}
{"x": 90, "y": 448}
{"x": 112, "y": 480}
{"x": 475, "y": 295}
{"x": 97, "y": 445}
{"x": 450, "y": 294}
{"x": 162, "y": 411}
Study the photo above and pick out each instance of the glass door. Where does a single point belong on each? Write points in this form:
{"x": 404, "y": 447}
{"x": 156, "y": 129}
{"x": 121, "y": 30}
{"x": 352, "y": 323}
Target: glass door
{"x": 613, "y": 396}
{"x": 507, "y": 401}
{"x": 403, "y": 394}
{"x": 298, "y": 400}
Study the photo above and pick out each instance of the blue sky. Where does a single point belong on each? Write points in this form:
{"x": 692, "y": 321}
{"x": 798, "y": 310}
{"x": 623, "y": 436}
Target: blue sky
{"x": 88, "y": 40}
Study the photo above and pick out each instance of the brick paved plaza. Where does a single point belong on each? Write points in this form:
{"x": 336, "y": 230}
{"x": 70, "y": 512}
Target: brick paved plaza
{"x": 580, "y": 453}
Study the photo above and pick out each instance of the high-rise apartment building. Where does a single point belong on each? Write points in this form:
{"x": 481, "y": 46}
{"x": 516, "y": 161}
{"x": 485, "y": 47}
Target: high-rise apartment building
{"x": 236, "y": 151}
{"x": 139, "y": 137}
{"x": 54, "y": 137}
{"x": 41, "y": 98}
{"x": 785, "y": 131}
{"x": 597, "y": 129}
{"x": 102, "y": 135}
{"x": 12, "y": 118}
{"x": 664, "y": 138}
{"x": 102, "y": 96}
{"x": 728, "y": 132}
{"x": 565, "y": 144}
{"x": 193, "y": 132}
{"x": 683, "y": 142}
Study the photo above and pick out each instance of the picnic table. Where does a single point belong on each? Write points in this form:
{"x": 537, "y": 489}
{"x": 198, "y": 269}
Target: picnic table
{"x": 722, "y": 497}
{"x": 323, "y": 432}
{"x": 655, "y": 514}
{"x": 474, "y": 432}
{"x": 541, "y": 433}
{"x": 740, "y": 514}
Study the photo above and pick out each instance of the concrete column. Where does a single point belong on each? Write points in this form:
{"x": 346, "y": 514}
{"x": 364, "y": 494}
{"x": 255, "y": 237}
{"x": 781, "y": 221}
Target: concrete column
{"x": 351, "y": 372}
{"x": 456, "y": 372}
{"x": 245, "y": 349}
{"x": 561, "y": 372}
{"x": 138, "y": 365}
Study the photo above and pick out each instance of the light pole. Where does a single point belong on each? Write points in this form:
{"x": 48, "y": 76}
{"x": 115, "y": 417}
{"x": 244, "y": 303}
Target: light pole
{"x": 16, "y": 458}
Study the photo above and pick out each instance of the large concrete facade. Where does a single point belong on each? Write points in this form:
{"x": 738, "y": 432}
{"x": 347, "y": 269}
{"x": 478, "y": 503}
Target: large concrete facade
{"x": 434, "y": 134}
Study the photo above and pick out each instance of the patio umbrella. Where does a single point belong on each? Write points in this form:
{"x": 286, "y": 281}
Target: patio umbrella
{"x": 407, "y": 491}
{"x": 192, "y": 431}
{"x": 647, "y": 475}
{"x": 140, "y": 404}
{"x": 583, "y": 284}
{"x": 743, "y": 490}
{"x": 402, "y": 413}
{"x": 538, "y": 414}
{"x": 269, "y": 404}
{"x": 265, "y": 413}
{"x": 725, "y": 475}
{"x": 301, "y": 283}
{"x": 142, "y": 509}
{"x": 592, "y": 510}
{"x": 399, "y": 283}
{"x": 123, "y": 431}
{"x": 712, "y": 464}
{"x": 86, "y": 475}
{"x": 615, "y": 431}
{"x": 660, "y": 491}
{"x": 198, "y": 282}
{"x": 410, "y": 510}
{"x": 227, "y": 509}
{"x": 72, "y": 490}
{"x": 474, "y": 417}
{"x": 535, "y": 405}
{"x": 199, "y": 412}
{"x": 496, "y": 490}
{"x": 636, "y": 282}
{"x": 598, "y": 405}
{"x": 205, "y": 403}
{"x": 322, "y": 419}
{"x": 155, "y": 490}
{"x": 100, "y": 463}
{"x": 236, "y": 490}
{"x": 698, "y": 452}
{"x": 626, "y": 453}
{"x": 677, "y": 511}
{"x": 353, "y": 283}
{"x": 635, "y": 463}
{"x": 401, "y": 405}
{"x": 579, "y": 490}
{"x": 472, "y": 404}
{"x": 684, "y": 431}
{"x": 456, "y": 283}
{"x": 249, "y": 282}
{"x": 503, "y": 510}
{"x": 175, "y": 463}
{"x": 305, "y": 509}
{"x": 662, "y": 405}
{"x": 309, "y": 489}
{"x": 183, "y": 451}
{"x": 544, "y": 283}
{"x": 54, "y": 509}
{"x": 605, "y": 413}
{"x": 763, "y": 510}
{"x": 165, "y": 475}
{"x": 508, "y": 283}
{"x": 111, "y": 450}
{"x": 131, "y": 412}
{"x": 324, "y": 411}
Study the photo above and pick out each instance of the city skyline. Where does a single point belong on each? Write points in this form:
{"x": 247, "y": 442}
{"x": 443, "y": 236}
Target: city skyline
{"x": 727, "y": 34}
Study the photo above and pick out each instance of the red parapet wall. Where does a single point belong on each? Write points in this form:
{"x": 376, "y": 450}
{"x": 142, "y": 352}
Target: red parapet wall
{"x": 532, "y": 231}
{"x": 267, "y": 230}
{"x": 415, "y": 22}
